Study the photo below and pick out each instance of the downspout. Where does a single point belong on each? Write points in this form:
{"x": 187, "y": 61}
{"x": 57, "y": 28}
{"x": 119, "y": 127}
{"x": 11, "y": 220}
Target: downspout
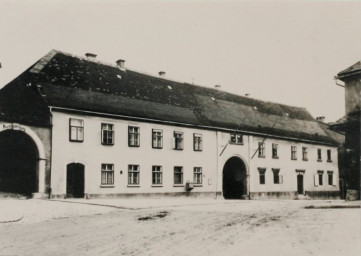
{"x": 249, "y": 167}
{"x": 51, "y": 150}
{"x": 217, "y": 165}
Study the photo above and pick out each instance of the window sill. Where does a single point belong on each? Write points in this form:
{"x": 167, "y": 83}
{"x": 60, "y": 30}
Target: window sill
{"x": 133, "y": 146}
{"x": 178, "y": 185}
{"x": 233, "y": 143}
{"x": 107, "y": 186}
{"x": 304, "y": 159}
{"x": 319, "y": 160}
{"x": 197, "y": 185}
{"x": 157, "y": 185}
{"x": 77, "y": 141}
{"x": 329, "y": 161}
{"x": 293, "y": 158}
{"x": 261, "y": 156}
{"x": 106, "y": 144}
{"x": 275, "y": 157}
{"x": 157, "y": 147}
{"x": 133, "y": 186}
{"x": 197, "y": 150}
{"x": 178, "y": 149}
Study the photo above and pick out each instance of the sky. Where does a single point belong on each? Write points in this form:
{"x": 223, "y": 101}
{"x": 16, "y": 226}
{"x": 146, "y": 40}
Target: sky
{"x": 280, "y": 51}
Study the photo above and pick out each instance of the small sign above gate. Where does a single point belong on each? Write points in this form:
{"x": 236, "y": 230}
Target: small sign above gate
{"x": 14, "y": 127}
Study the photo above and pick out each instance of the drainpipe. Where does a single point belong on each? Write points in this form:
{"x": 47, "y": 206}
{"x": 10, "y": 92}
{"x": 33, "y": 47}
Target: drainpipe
{"x": 249, "y": 166}
{"x": 217, "y": 165}
{"x": 51, "y": 150}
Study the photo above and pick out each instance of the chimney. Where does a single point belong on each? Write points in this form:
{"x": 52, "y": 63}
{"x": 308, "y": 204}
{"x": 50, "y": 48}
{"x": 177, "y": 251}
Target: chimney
{"x": 217, "y": 86}
{"x": 120, "y": 64}
{"x": 161, "y": 74}
{"x": 90, "y": 55}
{"x": 320, "y": 119}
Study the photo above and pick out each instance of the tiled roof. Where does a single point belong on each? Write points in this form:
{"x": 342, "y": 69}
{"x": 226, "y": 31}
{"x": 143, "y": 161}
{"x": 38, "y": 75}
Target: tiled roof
{"x": 354, "y": 69}
{"x": 67, "y": 81}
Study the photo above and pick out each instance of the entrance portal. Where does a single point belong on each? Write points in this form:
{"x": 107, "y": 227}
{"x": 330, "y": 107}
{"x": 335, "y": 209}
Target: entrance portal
{"x": 18, "y": 163}
{"x": 234, "y": 179}
{"x": 75, "y": 180}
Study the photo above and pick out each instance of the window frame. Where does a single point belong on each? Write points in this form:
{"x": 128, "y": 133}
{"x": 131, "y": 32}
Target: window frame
{"x": 157, "y": 139}
{"x": 304, "y": 154}
{"x": 293, "y": 152}
{"x": 106, "y": 172}
{"x": 197, "y": 138}
{"x": 136, "y": 136}
{"x": 329, "y": 156}
{"x": 181, "y": 173}
{"x": 319, "y": 155}
{"x": 277, "y": 178}
{"x": 77, "y": 129}
{"x": 238, "y": 138}
{"x": 157, "y": 172}
{"x": 108, "y": 131}
{"x": 275, "y": 151}
{"x": 178, "y": 145}
{"x": 320, "y": 177}
{"x": 131, "y": 175}
{"x": 330, "y": 174}
{"x": 198, "y": 176}
{"x": 261, "y": 149}
{"x": 262, "y": 176}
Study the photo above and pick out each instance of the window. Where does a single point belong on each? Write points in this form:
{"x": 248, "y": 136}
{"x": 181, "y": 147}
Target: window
{"x": 107, "y": 134}
{"x": 107, "y": 174}
{"x": 76, "y": 130}
{"x": 133, "y": 136}
{"x": 157, "y": 175}
{"x": 319, "y": 155}
{"x": 262, "y": 175}
{"x": 133, "y": 174}
{"x": 331, "y": 178}
{"x": 274, "y": 150}
{"x": 320, "y": 178}
{"x": 197, "y": 142}
{"x": 304, "y": 153}
{"x": 178, "y": 140}
{"x": 277, "y": 178}
{"x": 197, "y": 175}
{"x": 157, "y": 141}
{"x": 261, "y": 148}
{"x": 236, "y": 138}
{"x": 178, "y": 175}
{"x": 329, "y": 155}
{"x": 293, "y": 152}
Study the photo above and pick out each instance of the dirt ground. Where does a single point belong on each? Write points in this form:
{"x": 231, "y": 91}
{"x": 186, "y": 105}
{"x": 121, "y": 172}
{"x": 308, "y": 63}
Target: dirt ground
{"x": 180, "y": 227}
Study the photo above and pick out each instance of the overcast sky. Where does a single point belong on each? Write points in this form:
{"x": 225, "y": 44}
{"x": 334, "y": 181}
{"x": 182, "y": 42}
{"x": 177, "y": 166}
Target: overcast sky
{"x": 285, "y": 52}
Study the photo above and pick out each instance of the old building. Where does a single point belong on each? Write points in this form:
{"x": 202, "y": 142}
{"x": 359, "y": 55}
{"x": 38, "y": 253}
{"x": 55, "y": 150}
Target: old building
{"x": 350, "y": 125}
{"x": 77, "y": 127}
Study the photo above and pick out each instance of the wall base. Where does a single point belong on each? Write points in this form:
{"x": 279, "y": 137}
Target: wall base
{"x": 274, "y": 195}
{"x": 40, "y": 195}
{"x": 323, "y": 194}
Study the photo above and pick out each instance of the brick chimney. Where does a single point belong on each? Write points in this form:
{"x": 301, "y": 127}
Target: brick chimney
{"x": 90, "y": 55}
{"x": 121, "y": 64}
{"x": 161, "y": 74}
{"x": 320, "y": 119}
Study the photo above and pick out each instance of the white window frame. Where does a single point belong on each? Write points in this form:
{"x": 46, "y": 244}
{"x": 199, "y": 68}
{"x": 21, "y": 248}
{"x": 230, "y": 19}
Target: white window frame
{"x": 107, "y": 131}
{"x": 236, "y": 138}
{"x": 276, "y": 173}
{"x": 293, "y": 152}
{"x": 262, "y": 173}
{"x": 133, "y": 174}
{"x": 133, "y": 136}
{"x": 107, "y": 174}
{"x": 178, "y": 140}
{"x": 157, "y": 175}
{"x": 304, "y": 154}
{"x": 197, "y": 175}
{"x": 261, "y": 149}
{"x": 157, "y": 138}
{"x": 329, "y": 155}
{"x": 319, "y": 154}
{"x": 178, "y": 170}
{"x": 197, "y": 142}
{"x": 76, "y": 130}
{"x": 275, "y": 150}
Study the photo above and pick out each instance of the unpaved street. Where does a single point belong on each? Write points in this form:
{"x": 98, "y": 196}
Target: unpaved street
{"x": 218, "y": 228}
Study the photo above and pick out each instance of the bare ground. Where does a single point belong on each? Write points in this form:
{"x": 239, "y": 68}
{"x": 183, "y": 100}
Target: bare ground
{"x": 198, "y": 228}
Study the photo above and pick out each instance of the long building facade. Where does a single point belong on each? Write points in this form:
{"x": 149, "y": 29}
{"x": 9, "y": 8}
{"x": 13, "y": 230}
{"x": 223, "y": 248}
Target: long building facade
{"x": 76, "y": 127}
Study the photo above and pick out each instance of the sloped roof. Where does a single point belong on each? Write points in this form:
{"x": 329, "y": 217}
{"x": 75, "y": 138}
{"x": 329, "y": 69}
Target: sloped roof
{"x": 66, "y": 81}
{"x": 353, "y": 70}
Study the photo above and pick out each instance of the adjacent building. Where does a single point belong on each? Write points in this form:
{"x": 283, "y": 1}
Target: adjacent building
{"x": 350, "y": 126}
{"x": 75, "y": 127}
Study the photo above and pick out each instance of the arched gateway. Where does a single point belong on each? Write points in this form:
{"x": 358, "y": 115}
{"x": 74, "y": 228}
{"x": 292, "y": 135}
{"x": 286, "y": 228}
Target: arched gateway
{"x": 235, "y": 179}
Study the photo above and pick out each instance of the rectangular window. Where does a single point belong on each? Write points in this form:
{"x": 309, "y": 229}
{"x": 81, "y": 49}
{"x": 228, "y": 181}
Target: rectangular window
{"x": 178, "y": 140}
{"x": 277, "y": 179}
{"x": 320, "y": 178}
{"x": 293, "y": 152}
{"x": 133, "y": 136}
{"x": 178, "y": 175}
{"x": 319, "y": 155}
{"x": 76, "y": 130}
{"x": 157, "y": 141}
{"x": 107, "y": 174}
{"x": 107, "y": 134}
{"x": 304, "y": 153}
{"x": 274, "y": 150}
{"x": 197, "y": 175}
{"x": 236, "y": 138}
{"x": 197, "y": 142}
{"x": 329, "y": 155}
{"x": 262, "y": 175}
{"x": 330, "y": 178}
{"x": 133, "y": 174}
{"x": 157, "y": 175}
{"x": 261, "y": 149}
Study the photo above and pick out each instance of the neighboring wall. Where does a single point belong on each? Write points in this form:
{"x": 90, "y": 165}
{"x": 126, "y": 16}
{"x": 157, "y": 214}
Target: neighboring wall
{"x": 352, "y": 96}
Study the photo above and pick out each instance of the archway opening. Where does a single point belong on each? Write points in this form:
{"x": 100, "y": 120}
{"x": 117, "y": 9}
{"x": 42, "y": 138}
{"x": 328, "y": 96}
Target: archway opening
{"x": 75, "y": 180}
{"x": 234, "y": 179}
{"x": 19, "y": 159}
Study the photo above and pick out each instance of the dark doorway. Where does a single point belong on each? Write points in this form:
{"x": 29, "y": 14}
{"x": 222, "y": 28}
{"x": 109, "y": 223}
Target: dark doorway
{"x": 75, "y": 180}
{"x": 300, "y": 184}
{"x": 18, "y": 163}
{"x": 234, "y": 179}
